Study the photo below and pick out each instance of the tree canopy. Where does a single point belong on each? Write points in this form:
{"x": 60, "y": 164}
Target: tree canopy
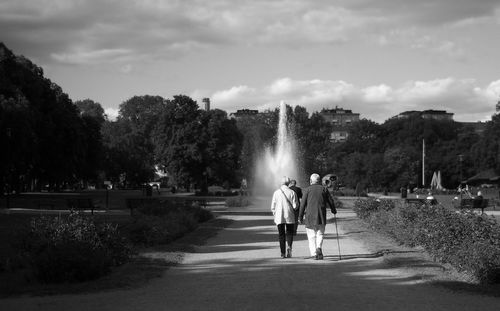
{"x": 51, "y": 141}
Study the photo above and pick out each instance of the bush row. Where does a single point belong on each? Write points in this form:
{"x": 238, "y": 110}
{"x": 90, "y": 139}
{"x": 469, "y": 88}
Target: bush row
{"x": 73, "y": 248}
{"x": 153, "y": 225}
{"x": 239, "y": 201}
{"x": 467, "y": 241}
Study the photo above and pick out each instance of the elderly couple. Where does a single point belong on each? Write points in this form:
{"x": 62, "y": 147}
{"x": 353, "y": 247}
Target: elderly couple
{"x": 289, "y": 209}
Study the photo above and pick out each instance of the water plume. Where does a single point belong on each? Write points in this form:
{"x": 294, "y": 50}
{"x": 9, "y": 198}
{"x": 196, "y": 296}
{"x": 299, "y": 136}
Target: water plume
{"x": 279, "y": 160}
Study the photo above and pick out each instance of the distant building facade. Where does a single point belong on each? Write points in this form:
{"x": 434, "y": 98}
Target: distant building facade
{"x": 341, "y": 119}
{"x": 441, "y": 115}
{"x": 242, "y": 113}
{"x": 206, "y": 102}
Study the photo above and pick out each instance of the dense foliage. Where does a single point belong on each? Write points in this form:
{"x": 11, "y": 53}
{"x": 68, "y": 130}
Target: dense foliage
{"x": 52, "y": 142}
{"x": 389, "y": 155}
{"x": 73, "y": 248}
{"x": 162, "y": 223}
{"x": 468, "y": 241}
{"x": 45, "y": 139}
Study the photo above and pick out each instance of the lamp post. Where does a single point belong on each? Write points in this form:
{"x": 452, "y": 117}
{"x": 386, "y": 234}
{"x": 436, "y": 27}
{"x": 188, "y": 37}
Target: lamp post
{"x": 460, "y": 160}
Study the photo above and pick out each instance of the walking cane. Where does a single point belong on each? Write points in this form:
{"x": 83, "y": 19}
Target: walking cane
{"x": 337, "y": 229}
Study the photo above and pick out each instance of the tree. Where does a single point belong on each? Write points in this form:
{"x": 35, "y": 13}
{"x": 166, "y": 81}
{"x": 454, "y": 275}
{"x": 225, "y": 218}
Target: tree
{"x": 52, "y": 125}
{"x": 93, "y": 118}
{"x": 221, "y": 143}
{"x": 91, "y": 109}
{"x": 486, "y": 151}
{"x": 130, "y": 141}
{"x": 175, "y": 139}
{"x": 258, "y": 132}
{"x": 314, "y": 142}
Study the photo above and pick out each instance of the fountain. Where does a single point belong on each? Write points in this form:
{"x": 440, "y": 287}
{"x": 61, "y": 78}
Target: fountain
{"x": 278, "y": 161}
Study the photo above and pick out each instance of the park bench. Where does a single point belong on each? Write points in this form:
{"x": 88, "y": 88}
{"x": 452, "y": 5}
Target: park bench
{"x": 472, "y": 204}
{"x": 82, "y": 204}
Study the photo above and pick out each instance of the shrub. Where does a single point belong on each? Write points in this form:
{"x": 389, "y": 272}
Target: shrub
{"x": 365, "y": 208}
{"x": 349, "y": 192}
{"x": 468, "y": 241}
{"x": 338, "y": 203}
{"x": 156, "y": 208}
{"x": 155, "y": 226}
{"x": 239, "y": 201}
{"x": 73, "y": 248}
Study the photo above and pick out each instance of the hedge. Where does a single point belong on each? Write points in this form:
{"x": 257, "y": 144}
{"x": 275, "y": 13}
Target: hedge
{"x": 467, "y": 241}
{"x": 156, "y": 225}
{"x": 73, "y": 248}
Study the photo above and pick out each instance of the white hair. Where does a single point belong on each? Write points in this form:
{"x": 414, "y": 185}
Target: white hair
{"x": 315, "y": 178}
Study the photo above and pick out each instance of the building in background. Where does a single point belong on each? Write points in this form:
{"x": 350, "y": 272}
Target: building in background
{"x": 341, "y": 119}
{"x": 206, "y": 102}
{"x": 243, "y": 113}
{"x": 441, "y": 115}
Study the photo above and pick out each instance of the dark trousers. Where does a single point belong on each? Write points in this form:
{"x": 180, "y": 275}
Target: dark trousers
{"x": 285, "y": 232}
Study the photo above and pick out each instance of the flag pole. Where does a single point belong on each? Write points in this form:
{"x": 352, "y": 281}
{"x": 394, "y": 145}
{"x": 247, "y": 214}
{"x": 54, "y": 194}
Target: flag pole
{"x": 423, "y": 163}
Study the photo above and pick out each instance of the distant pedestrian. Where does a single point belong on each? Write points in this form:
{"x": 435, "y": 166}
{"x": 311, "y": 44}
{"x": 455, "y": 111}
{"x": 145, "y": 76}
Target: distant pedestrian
{"x": 312, "y": 213}
{"x": 431, "y": 199}
{"x": 283, "y": 206}
{"x": 244, "y": 187}
{"x": 478, "y": 200}
{"x": 298, "y": 192}
{"x": 404, "y": 192}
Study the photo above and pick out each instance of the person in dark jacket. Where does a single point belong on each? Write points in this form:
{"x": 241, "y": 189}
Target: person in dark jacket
{"x": 298, "y": 192}
{"x": 312, "y": 214}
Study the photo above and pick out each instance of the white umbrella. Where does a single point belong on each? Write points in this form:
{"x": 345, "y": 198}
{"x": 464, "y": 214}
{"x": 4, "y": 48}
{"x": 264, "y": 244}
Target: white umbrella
{"x": 439, "y": 186}
{"x": 434, "y": 181}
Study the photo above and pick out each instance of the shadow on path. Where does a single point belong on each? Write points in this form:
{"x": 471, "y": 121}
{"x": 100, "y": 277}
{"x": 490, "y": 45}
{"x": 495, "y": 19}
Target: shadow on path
{"x": 239, "y": 269}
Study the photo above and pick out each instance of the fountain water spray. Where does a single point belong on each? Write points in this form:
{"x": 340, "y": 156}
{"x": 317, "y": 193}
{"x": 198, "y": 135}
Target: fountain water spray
{"x": 278, "y": 161}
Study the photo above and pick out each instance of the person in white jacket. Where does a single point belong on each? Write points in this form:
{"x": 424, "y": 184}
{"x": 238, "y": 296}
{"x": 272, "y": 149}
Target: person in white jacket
{"x": 283, "y": 206}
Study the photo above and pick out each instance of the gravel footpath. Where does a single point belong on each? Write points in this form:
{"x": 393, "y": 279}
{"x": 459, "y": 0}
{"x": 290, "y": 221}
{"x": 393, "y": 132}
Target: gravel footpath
{"x": 240, "y": 269}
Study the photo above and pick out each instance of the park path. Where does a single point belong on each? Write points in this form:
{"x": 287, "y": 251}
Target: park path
{"x": 240, "y": 269}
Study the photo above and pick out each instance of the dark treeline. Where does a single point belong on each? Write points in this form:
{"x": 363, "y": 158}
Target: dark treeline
{"x": 49, "y": 141}
{"x": 389, "y": 155}
{"x": 380, "y": 156}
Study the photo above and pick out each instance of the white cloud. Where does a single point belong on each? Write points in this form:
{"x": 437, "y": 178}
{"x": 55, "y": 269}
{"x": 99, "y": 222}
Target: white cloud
{"x": 378, "y": 93}
{"x": 112, "y": 113}
{"x": 493, "y": 90}
{"x": 463, "y": 97}
{"x": 451, "y": 49}
{"x": 89, "y": 57}
{"x": 237, "y": 96}
{"x": 127, "y": 68}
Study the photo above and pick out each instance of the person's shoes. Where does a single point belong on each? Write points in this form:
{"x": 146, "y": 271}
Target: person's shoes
{"x": 289, "y": 253}
{"x": 282, "y": 255}
{"x": 319, "y": 254}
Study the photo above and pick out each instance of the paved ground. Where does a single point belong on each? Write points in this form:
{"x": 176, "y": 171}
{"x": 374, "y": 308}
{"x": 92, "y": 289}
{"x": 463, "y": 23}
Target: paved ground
{"x": 240, "y": 269}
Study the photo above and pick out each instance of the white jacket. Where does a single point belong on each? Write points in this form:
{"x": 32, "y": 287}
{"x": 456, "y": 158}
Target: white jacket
{"x": 282, "y": 210}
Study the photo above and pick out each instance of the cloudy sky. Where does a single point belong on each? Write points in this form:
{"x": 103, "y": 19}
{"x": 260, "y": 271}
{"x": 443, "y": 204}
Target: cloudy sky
{"x": 375, "y": 57}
